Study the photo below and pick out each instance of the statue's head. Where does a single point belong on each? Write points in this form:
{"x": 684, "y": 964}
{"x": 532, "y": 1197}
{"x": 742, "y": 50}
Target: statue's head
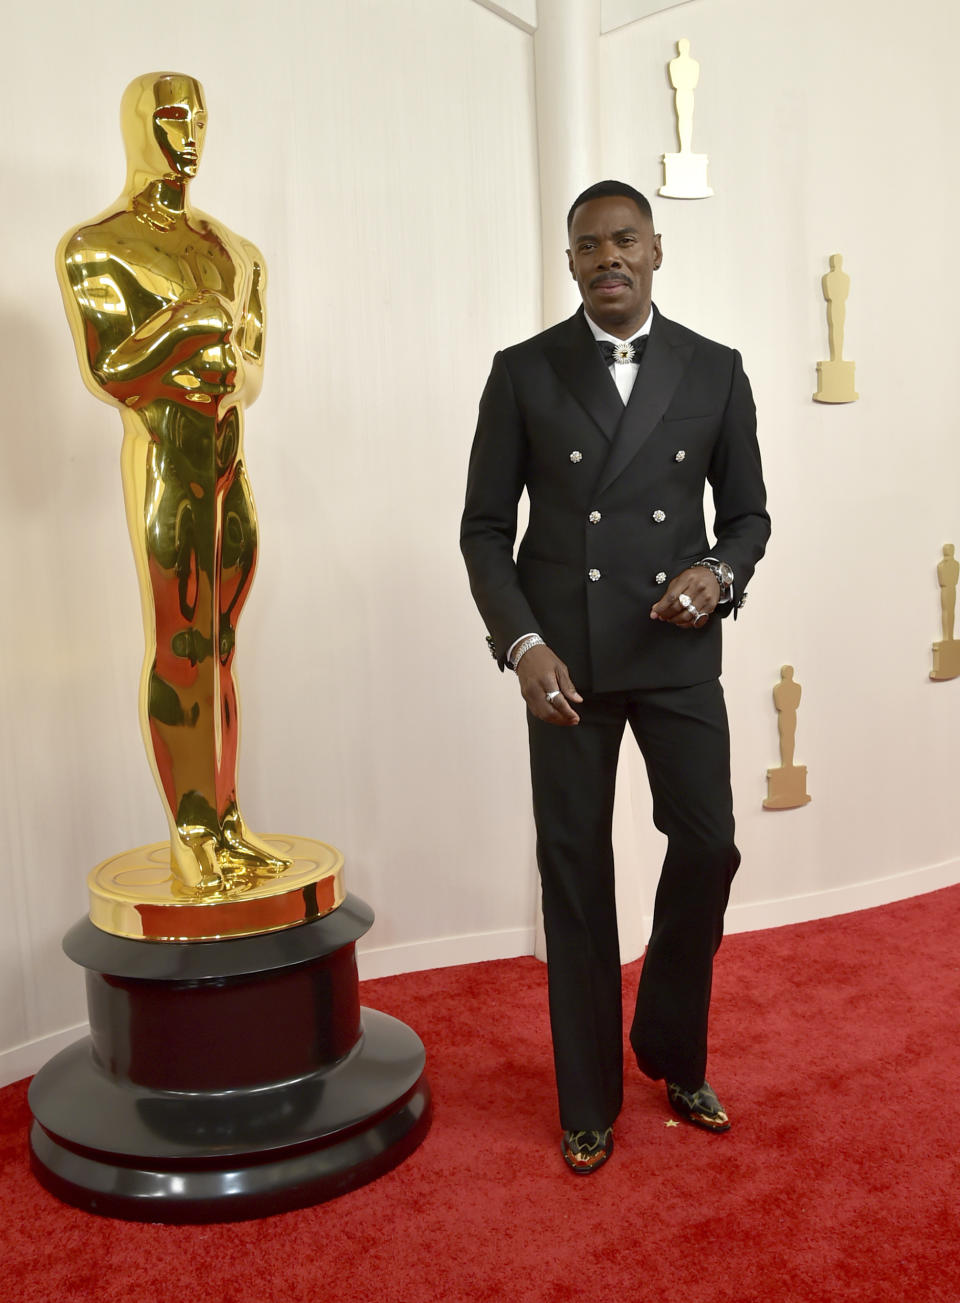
{"x": 163, "y": 117}
{"x": 948, "y": 550}
{"x": 683, "y": 45}
{"x": 786, "y": 673}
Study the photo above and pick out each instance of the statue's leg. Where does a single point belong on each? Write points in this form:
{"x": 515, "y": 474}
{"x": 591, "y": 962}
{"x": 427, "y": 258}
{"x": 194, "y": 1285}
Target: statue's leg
{"x": 685, "y": 120}
{"x": 174, "y": 535}
{"x": 140, "y": 485}
{"x": 238, "y": 562}
{"x": 836, "y": 316}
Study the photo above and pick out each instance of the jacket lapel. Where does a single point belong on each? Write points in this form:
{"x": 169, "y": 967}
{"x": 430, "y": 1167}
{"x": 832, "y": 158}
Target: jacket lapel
{"x": 665, "y": 359}
{"x": 577, "y": 361}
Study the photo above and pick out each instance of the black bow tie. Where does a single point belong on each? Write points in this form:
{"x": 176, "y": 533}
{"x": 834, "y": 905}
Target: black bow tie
{"x": 625, "y": 352}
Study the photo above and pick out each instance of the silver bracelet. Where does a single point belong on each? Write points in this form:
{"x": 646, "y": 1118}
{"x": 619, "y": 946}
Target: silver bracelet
{"x": 713, "y": 565}
{"x": 532, "y": 640}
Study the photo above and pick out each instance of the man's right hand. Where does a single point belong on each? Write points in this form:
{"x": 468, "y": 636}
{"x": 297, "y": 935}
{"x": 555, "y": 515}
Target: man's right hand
{"x": 541, "y": 671}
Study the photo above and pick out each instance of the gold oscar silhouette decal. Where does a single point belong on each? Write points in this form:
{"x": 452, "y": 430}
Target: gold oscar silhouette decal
{"x": 787, "y": 785}
{"x": 835, "y": 378}
{"x": 946, "y": 653}
{"x": 167, "y": 311}
{"x": 685, "y": 174}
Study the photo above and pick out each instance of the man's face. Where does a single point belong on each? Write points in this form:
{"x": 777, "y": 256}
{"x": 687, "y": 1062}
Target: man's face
{"x": 179, "y": 124}
{"x": 612, "y": 256}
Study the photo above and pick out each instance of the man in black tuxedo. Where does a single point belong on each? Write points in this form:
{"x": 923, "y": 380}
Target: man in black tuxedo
{"x": 613, "y": 421}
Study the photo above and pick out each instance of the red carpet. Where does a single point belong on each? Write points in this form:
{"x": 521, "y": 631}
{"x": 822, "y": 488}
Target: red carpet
{"x": 835, "y": 1050}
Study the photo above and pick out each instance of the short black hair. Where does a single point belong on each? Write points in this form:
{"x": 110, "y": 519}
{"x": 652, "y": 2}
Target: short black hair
{"x": 606, "y": 189}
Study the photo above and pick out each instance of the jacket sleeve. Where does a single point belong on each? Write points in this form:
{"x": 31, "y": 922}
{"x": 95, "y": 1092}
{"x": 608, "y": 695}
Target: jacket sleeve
{"x": 488, "y": 529}
{"x": 741, "y": 524}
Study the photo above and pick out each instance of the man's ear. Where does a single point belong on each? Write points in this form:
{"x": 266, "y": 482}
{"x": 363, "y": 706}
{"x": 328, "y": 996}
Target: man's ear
{"x": 570, "y": 264}
{"x": 658, "y": 253}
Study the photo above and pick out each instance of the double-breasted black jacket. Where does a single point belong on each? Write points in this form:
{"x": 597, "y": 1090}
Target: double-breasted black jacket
{"x": 616, "y": 500}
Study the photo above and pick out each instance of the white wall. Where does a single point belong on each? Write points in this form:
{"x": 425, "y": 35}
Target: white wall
{"x": 382, "y": 154}
{"x": 827, "y": 132}
{"x": 383, "y": 157}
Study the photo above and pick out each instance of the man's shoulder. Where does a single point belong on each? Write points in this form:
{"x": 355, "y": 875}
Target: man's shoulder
{"x": 564, "y": 332}
{"x": 679, "y": 334}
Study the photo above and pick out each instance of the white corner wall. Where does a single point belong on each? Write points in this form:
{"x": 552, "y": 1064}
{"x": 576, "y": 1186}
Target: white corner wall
{"x": 827, "y": 131}
{"x": 384, "y": 157}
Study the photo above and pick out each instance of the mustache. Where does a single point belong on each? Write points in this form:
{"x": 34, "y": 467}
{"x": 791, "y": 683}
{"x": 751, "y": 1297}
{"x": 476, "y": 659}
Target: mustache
{"x": 610, "y": 278}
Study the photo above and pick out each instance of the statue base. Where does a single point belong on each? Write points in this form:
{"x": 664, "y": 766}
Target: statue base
{"x": 136, "y": 895}
{"x": 226, "y": 1080}
{"x": 946, "y": 659}
{"x": 786, "y": 788}
{"x": 685, "y": 177}
{"x": 835, "y": 383}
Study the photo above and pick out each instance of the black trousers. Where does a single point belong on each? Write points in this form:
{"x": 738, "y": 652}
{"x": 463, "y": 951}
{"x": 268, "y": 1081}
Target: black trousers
{"x": 683, "y": 735}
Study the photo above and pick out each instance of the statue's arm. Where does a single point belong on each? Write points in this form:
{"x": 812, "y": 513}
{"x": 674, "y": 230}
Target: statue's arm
{"x": 251, "y": 334}
{"x": 122, "y": 333}
{"x": 253, "y": 326}
{"x": 154, "y": 344}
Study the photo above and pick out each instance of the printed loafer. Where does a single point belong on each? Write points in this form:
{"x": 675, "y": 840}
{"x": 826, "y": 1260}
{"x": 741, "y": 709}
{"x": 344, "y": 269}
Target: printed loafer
{"x": 585, "y": 1151}
{"x": 701, "y": 1107}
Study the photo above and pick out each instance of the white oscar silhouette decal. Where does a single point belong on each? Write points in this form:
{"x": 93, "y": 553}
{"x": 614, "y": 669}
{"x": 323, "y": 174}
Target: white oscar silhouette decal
{"x": 946, "y": 653}
{"x": 787, "y": 785}
{"x": 685, "y": 174}
{"x": 835, "y": 378}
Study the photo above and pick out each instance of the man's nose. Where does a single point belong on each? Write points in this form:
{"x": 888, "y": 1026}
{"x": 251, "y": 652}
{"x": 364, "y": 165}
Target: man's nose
{"x": 609, "y": 256}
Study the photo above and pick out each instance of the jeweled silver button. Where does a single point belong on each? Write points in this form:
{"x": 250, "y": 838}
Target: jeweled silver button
{"x": 576, "y": 456}
{"x": 659, "y": 516}
{"x": 679, "y": 455}
{"x": 594, "y": 518}
{"x": 593, "y": 575}
{"x": 660, "y": 577}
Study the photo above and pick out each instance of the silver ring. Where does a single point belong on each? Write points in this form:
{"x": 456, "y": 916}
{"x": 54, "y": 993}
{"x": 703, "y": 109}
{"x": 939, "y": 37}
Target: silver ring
{"x": 684, "y": 601}
{"x": 701, "y": 615}
{"x": 692, "y": 610}
{"x": 552, "y": 696}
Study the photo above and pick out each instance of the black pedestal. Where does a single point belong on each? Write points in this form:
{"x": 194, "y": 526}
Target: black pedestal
{"x": 226, "y": 1079}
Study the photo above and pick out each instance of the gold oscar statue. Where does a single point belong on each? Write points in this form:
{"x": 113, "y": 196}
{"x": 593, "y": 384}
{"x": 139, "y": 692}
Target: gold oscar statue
{"x": 835, "y": 378}
{"x": 685, "y": 174}
{"x": 167, "y": 311}
{"x": 946, "y": 653}
{"x": 787, "y": 785}
{"x": 230, "y": 1070}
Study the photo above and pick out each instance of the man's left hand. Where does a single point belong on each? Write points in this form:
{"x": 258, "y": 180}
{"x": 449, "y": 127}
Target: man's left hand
{"x": 700, "y": 586}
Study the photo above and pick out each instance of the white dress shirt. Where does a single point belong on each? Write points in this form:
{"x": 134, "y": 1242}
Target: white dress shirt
{"x": 624, "y": 373}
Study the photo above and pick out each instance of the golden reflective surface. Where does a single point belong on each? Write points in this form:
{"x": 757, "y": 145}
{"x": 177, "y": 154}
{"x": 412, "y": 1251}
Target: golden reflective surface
{"x": 136, "y": 895}
{"x": 167, "y": 311}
